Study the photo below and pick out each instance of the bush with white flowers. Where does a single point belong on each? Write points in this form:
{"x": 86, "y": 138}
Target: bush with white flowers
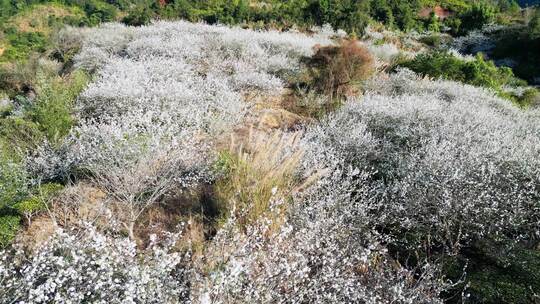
{"x": 160, "y": 96}
{"x": 415, "y": 164}
{"x": 452, "y": 163}
{"x": 89, "y": 267}
{"x": 325, "y": 252}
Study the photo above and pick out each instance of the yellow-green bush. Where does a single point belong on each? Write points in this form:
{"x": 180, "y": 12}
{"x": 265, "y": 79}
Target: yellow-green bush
{"x": 38, "y": 201}
{"x": 12, "y": 182}
{"x": 255, "y": 173}
{"x": 9, "y": 225}
{"x": 18, "y": 135}
{"x": 53, "y": 110}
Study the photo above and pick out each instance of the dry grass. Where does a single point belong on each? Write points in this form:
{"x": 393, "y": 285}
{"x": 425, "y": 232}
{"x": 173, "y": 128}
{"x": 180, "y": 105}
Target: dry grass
{"x": 81, "y": 204}
{"x": 37, "y": 233}
{"x": 258, "y": 171}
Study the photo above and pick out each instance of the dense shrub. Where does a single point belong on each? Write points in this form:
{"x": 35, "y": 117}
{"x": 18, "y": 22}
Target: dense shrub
{"x": 38, "y": 201}
{"x": 23, "y": 44}
{"x": 66, "y": 43}
{"x": 9, "y": 226}
{"x": 478, "y": 71}
{"x": 139, "y": 15}
{"x": 53, "y": 109}
{"x": 476, "y": 17}
{"x": 98, "y": 11}
{"x": 19, "y": 76}
{"x": 12, "y": 182}
{"x": 19, "y": 136}
{"x": 450, "y": 166}
{"x": 534, "y": 25}
{"x": 92, "y": 267}
{"x": 338, "y": 69}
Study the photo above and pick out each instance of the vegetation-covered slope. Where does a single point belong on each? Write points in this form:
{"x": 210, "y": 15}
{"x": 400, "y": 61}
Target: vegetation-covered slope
{"x": 277, "y": 160}
{"x": 381, "y": 201}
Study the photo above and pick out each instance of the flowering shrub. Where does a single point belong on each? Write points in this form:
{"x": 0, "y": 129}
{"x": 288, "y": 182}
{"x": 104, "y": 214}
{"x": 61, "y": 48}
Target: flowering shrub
{"x": 325, "y": 252}
{"x": 452, "y": 163}
{"x": 416, "y": 167}
{"x": 160, "y": 96}
{"x": 227, "y": 54}
{"x": 92, "y": 267}
{"x": 479, "y": 40}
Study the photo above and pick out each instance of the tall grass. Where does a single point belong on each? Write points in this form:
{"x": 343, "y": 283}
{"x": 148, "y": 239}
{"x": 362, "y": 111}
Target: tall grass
{"x": 256, "y": 171}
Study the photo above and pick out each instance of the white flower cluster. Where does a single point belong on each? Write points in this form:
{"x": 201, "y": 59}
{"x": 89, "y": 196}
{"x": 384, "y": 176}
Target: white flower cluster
{"x": 5, "y": 102}
{"x": 161, "y": 94}
{"x": 388, "y": 46}
{"x": 451, "y": 162}
{"x": 234, "y": 57}
{"x": 482, "y": 40}
{"x": 89, "y": 267}
{"x": 326, "y": 252}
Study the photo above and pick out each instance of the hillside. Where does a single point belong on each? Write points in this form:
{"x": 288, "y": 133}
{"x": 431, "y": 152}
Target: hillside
{"x": 179, "y": 161}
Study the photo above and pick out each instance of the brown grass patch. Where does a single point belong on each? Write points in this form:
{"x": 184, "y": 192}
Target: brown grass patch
{"x": 259, "y": 171}
{"x": 194, "y": 209}
{"x": 40, "y": 230}
{"x": 81, "y": 204}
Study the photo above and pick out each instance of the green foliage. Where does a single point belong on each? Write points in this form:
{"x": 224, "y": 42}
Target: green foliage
{"x": 18, "y": 135}
{"x": 478, "y": 72}
{"x": 381, "y": 11}
{"x": 519, "y": 44}
{"x": 396, "y": 13}
{"x": 139, "y": 15}
{"x": 498, "y": 273}
{"x": 476, "y": 17}
{"x": 433, "y": 23}
{"x": 454, "y": 23}
{"x": 53, "y": 110}
{"x": 529, "y": 98}
{"x": 406, "y": 17}
{"x": 98, "y": 11}
{"x": 432, "y": 40}
{"x": 9, "y": 225}
{"x": 30, "y": 205}
{"x": 37, "y": 202}
{"x": 534, "y": 26}
{"x": 12, "y": 182}
{"x": 20, "y": 45}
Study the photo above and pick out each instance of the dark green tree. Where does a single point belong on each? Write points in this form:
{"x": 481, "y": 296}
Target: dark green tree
{"x": 476, "y": 17}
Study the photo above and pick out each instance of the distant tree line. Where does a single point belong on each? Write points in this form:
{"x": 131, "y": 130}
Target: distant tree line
{"x": 349, "y": 15}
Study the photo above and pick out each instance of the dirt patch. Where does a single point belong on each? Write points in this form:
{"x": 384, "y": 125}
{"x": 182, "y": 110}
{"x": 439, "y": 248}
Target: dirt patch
{"x": 38, "y": 232}
{"x": 439, "y": 11}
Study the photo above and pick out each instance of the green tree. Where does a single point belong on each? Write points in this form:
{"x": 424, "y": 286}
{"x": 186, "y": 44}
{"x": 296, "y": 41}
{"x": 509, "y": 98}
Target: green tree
{"x": 476, "y": 17}
{"x": 433, "y": 23}
{"x": 534, "y": 25}
{"x": 405, "y": 17}
{"x": 382, "y": 12}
